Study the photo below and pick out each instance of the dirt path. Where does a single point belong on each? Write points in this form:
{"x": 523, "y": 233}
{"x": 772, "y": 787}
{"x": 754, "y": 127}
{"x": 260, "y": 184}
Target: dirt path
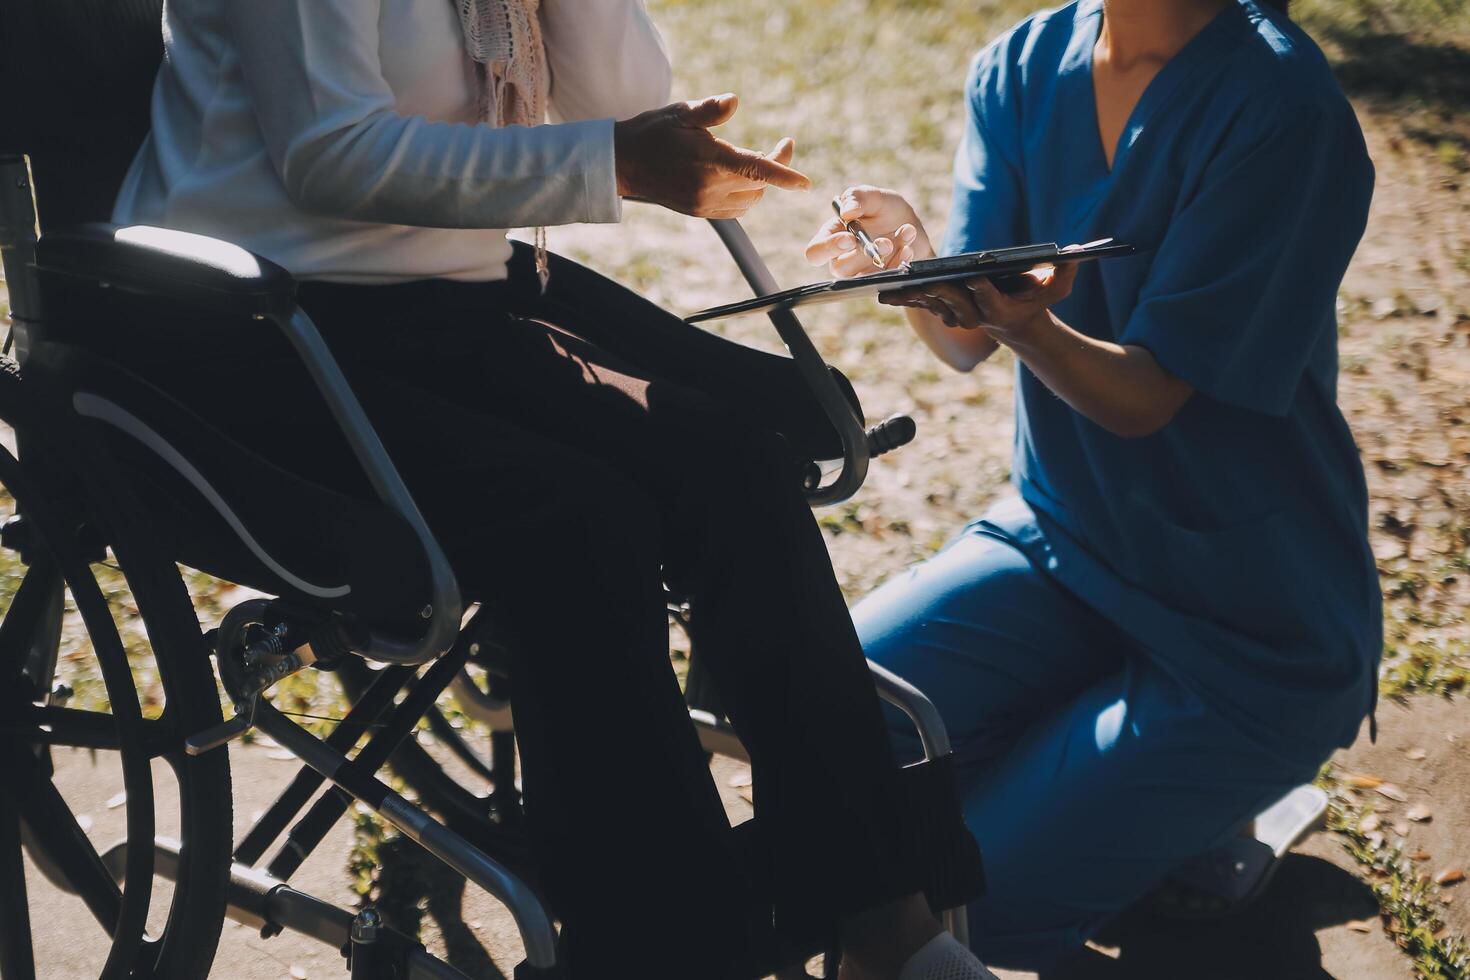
{"x": 1319, "y": 919}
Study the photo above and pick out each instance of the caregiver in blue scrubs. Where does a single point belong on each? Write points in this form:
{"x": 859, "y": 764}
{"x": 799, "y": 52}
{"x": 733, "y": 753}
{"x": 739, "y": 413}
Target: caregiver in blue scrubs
{"x": 1179, "y": 619}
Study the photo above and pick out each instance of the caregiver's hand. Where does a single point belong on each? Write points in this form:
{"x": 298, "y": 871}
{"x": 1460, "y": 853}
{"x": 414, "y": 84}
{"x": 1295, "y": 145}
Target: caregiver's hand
{"x": 1007, "y": 317}
{"x": 670, "y": 157}
{"x": 885, "y": 215}
{"x": 1010, "y": 317}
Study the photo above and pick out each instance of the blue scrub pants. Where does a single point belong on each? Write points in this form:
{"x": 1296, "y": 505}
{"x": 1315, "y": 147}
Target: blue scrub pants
{"x": 1086, "y": 771}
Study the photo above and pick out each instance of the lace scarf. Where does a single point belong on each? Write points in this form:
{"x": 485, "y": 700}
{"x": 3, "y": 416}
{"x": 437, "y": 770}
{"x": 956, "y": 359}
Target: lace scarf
{"x": 503, "y": 38}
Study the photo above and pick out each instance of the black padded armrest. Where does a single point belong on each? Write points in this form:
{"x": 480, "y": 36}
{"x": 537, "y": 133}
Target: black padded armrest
{"x": 173, "y": 264}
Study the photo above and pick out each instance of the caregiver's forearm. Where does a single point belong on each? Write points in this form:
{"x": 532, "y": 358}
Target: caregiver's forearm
{"x": 957, "y": 347}
{"x": 1121, "y": 388}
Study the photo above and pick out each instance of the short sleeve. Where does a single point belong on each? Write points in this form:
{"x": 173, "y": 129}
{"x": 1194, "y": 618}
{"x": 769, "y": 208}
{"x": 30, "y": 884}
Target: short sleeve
{"x": 1243, "y": 288}
{"x": 987, "y": 208}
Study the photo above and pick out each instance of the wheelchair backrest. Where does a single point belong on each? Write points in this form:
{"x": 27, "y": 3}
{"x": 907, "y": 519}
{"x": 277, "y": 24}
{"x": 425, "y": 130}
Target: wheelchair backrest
{"x": 75, "y": 81}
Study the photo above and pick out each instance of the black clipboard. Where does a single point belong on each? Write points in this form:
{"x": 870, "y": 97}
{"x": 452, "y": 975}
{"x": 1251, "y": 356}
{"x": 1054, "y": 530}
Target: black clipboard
{"x": 1006, "y": 266}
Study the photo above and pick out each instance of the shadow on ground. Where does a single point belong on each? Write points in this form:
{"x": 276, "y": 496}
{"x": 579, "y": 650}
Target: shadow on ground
{"x": 412, "y": 884}
{"x": 1401, "y": 69}
{"x": 1272, "y": 939}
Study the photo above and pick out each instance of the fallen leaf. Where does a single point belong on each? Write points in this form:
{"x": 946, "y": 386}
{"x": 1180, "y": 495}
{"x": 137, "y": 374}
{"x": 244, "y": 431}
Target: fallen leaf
{"x": 747, "y": 794}
{"x": 1392, "y": 792}
{"x": 1419, "y": 856}
{"x": 1369, "y": 824}
{"x": 1401, "y": 828}
{"x": 1364, "y": 782}
{"x": 1387, "y": 549}
{"x": 1419, "y": 813}
{"x": 1446, "y": 899}
{"x": 1415, "y": 755}
{"x": 84, "y": 822}
{"x": 117, "y": 800}
{"x": 298, "y": 972}
{"x": 1111, "y": 952}
{"x": 1362, "y": 925}
{"x": 741, "y": 778}
{"x": 1449, "y": 876}
{"x": 1375, "y": 838}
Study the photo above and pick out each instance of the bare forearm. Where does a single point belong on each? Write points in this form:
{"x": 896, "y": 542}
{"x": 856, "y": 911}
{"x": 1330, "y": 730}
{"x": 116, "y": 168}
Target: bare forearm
{"x": 960, "y": 348}
{"x": 1120, "y": 387}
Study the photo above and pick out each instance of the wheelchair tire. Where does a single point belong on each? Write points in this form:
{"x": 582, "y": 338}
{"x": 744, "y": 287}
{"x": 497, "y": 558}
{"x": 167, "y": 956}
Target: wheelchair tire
{"x": 61, "y": 603}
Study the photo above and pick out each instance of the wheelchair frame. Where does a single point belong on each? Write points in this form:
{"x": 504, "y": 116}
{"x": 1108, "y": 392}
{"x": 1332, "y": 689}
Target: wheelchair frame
{"x": 263, "y": 897}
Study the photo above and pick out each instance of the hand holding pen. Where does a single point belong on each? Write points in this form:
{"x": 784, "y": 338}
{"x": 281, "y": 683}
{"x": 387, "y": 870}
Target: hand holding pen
{"x": 856, "y": 230}
{"x": 892, "y": 231}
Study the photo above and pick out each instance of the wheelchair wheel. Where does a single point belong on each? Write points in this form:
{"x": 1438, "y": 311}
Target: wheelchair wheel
{"x": 491, "y": 821}
{"x": 442, "y": 781}
{"x": 94, "y": 707}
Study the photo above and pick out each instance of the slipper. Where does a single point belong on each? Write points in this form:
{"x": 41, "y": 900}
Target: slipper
{"x": 944, "y": 958}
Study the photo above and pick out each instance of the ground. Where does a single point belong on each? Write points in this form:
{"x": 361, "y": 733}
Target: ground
{"x": 869, "y": 88}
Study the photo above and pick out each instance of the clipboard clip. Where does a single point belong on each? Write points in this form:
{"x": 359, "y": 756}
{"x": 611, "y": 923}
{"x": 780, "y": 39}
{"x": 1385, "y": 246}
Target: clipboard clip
{"x": 997, "y": 256}
{"x": 1020, "y": 254}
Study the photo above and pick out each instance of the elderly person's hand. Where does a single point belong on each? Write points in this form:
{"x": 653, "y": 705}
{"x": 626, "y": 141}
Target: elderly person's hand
{"x": 669, "y": 156}
{"x": 884, "y": 215}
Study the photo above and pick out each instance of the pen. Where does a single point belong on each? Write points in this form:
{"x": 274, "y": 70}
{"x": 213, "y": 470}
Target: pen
{"x": 870, "y": 248}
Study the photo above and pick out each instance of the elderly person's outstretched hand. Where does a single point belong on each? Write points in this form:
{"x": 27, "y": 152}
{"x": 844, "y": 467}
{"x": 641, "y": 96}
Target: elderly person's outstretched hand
{"x": 669, "y": 156}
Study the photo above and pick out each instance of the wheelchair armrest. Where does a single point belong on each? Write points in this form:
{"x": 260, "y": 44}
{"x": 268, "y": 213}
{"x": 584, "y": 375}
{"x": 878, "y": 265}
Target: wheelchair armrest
{"x": 856, "y": 448}
{"x": 176, "y": 265}
{"x": 223, "y": 278}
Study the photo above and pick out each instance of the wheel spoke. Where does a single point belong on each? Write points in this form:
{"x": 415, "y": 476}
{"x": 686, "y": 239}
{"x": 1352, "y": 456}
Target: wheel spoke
{"x": 53, "y": 725}
{"x": 446, "y": 735}
{"x": 17, "y": 961}
{"x": 24, "y": 621}
{"x": 55, "y": 830}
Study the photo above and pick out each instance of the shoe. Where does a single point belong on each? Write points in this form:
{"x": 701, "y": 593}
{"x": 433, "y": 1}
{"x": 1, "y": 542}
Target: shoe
{"x": 943, "y": 958}
{"x": 1235, "y": 874}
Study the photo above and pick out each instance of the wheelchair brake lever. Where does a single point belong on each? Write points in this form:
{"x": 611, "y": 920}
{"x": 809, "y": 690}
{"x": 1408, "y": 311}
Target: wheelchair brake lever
{"x": 212, "y": 738}
{"x": 266, "y": 662}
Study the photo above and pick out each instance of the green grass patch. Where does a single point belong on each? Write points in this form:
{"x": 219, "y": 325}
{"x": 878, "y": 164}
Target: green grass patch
{"x": 1408, "y": 900}
{"x": 1424, "y": 668}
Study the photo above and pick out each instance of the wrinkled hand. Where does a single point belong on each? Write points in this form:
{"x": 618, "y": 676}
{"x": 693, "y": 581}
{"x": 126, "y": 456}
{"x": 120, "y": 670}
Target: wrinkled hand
{"x": 884, "y": 215}
{"x": 975, "y": 303}
{"x": 670, "y": 157}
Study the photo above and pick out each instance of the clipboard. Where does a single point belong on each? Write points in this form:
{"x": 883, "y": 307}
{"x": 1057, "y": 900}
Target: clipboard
{"x": 1004, "y": 266}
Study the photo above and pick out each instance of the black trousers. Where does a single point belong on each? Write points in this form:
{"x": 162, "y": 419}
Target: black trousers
{"x": 576, "y": 452}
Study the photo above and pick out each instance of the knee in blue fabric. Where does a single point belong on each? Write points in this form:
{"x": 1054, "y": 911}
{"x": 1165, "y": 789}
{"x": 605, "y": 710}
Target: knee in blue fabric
{"x": 988, "y": 637}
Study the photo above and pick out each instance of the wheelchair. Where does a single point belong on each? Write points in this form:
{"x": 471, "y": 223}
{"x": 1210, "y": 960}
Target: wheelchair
{"x": 110, "y": 486}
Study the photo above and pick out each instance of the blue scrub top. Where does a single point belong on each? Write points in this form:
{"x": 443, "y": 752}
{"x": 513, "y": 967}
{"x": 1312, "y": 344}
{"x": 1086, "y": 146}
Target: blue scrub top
{"x": 1232, "y": 544}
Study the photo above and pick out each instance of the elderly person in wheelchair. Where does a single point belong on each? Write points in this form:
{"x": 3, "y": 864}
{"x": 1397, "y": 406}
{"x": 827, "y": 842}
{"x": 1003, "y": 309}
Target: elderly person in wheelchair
{"x": 580, "y": 453}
